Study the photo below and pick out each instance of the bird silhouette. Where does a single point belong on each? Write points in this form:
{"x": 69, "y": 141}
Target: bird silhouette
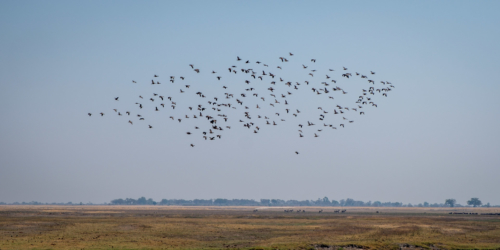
{"x": 253, "y": 115}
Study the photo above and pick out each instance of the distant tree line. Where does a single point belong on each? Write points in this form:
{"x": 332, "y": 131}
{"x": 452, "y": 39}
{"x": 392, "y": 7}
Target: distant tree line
{"x": 324, "y": 202}
{"x": 277, "y": 202}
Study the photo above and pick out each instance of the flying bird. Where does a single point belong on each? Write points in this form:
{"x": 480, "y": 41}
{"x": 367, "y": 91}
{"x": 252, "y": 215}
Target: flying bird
{"x": 254, "y": 116}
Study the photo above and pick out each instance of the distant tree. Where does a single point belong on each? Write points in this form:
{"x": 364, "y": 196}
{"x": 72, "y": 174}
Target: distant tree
{"x": 359, "y": 204}
{"x": 265, "y": 202}
{"x": 342, "y": 202}
{"x": 150, "y": 201}
{"x": 201, "y": 202}
{"x": 377, "y": 204}
{"x": 318, "y": 202}
{"x": 395, "y": 204}
{"x": 277, "y": 202}
{"x": 450, "y": 202}
{"x": 326, "y": 201}
{"x": 292, "y": 203}
{"x": 335, "y": 203}
{"x": 352, "y": 203}
{"x": 474, "y": 202}
{"x": 274, "y": 202}
{"x": 116, "y": 202}
{"x": 142, "y": 201}
{"x": 426, "y": 204}
{"x": 130, "y": 201}
{"x": 220, "y": 202}
{"x": 305, "y": 203}
{"x": 349, "y": 202}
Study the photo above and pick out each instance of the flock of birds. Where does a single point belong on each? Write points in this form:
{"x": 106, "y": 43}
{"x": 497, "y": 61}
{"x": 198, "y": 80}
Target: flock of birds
{"x": 264, "y": 99}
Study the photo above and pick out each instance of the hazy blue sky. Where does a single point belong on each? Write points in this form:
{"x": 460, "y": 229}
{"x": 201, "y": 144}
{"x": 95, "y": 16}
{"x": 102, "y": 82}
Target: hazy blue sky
{"x": 435, "y": 137}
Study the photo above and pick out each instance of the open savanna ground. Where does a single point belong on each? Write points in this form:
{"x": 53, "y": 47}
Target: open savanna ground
{"x": 168, "y": 227}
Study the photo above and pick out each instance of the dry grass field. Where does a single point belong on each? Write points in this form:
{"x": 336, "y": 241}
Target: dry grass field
{"x": 167, "y": 227}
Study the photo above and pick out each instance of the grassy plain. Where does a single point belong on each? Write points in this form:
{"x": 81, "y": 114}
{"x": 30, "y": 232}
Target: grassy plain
{"x": 169, "y": 227}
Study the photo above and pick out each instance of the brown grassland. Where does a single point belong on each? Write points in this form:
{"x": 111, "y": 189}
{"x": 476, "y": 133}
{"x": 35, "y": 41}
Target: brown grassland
{"x": 169, "y": 227}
